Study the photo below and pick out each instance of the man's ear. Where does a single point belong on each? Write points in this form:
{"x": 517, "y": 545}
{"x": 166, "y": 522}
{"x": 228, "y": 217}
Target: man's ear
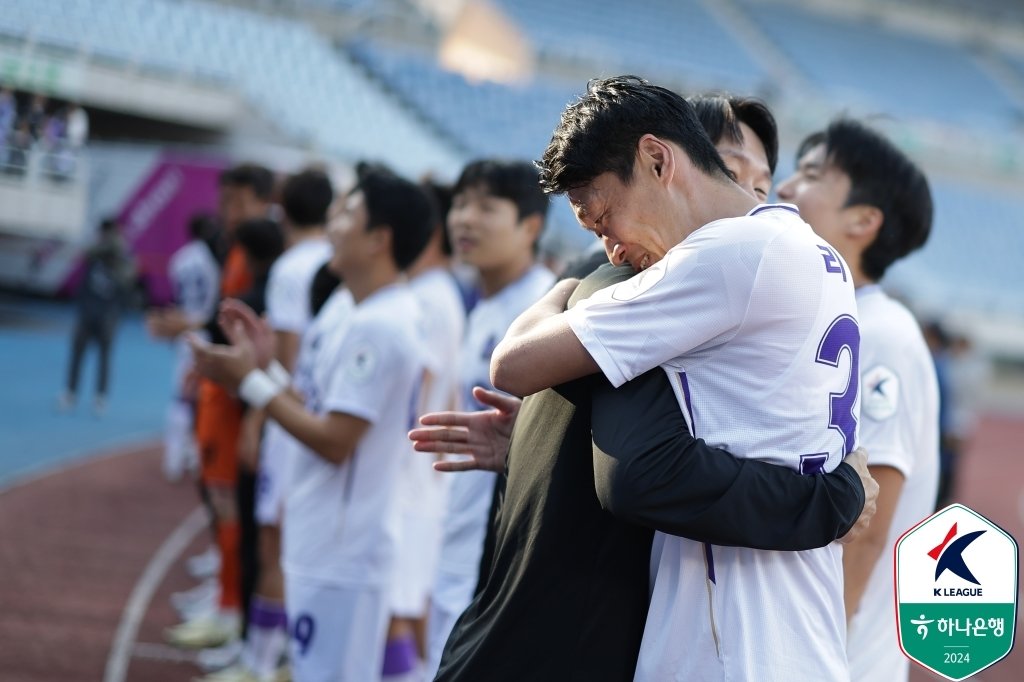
{"x": 382, "y": 237}
{"x": 864, "y": 221}
{"x": 533, "y": 224}
{"x": 654, "y": 156}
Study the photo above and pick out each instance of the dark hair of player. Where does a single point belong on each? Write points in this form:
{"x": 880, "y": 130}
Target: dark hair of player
{"x": 257, "y": 178}
{"x": 599, "y": 133}
{"x": 402, "y": 206}
{"x": 306, "y": 197}
{"x": 261, "y": 239}
{"x": 884, "y": 177}
{"x": 721, "y": 116}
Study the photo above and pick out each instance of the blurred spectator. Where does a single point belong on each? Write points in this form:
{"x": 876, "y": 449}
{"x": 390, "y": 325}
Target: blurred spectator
{"x": 109, "y": 274}
{"x": 60, "y": 163}
{"x": 77, "y": 126}
{"x": 36, "y": 116}
{"x": 967, "y": 373}
{"x": 938, "y": 343}
{"x": 19, "y": 144}
{"x": 8, "y": 112}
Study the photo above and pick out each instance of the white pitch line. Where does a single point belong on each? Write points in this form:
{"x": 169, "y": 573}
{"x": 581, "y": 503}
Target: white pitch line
{"x": 124, "y": 641}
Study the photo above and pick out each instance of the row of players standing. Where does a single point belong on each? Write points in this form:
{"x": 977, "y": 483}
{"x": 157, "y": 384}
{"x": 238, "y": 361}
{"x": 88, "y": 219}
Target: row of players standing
{"x": 336, "y": 565}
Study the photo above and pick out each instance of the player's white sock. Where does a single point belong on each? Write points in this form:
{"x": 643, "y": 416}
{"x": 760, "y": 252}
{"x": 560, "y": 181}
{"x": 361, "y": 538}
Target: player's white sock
{"x": 266, "y": 639}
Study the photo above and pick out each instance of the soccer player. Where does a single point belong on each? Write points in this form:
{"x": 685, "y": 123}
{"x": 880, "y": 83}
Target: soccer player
{"x": 305, "y": 199}
{"x": 195, "y": 280}
{"x": 245, "y": 194}
{"x": 423, "y": 491}
{"x": 660, "y": 477}
{"x": 873, "y": 205}
{"x": 753, "y": 319}
{"x": 341, "y": 515}
{"x": 497, "y": 215}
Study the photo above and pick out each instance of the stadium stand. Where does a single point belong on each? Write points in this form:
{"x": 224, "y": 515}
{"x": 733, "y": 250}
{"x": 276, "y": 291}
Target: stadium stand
{"x": 487, "y": 119}
{"x": 880, "y": 70}
{"x": 283, "y": 68}
{"x": 673, "y": 39}
{"x": 972, "y": 260}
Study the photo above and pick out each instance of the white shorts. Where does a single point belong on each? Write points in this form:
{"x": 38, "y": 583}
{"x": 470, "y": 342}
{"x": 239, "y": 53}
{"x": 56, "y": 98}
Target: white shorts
{"x": 416, "y": 556}
{"x": 338, "y": 632}
{"x": 275, "y": 458}
{"x": 180, "y": 451}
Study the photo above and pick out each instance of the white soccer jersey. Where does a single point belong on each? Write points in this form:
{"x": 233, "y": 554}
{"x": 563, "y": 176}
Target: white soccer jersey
{"x": 470, "y": 493}
{"x": 423, "y": 491}
{"x": 288, "y": 310}
{"x": 340, "y": 521}
{"x": 754, "y": 321}
{"x": 899, "y": 428}
{"x": 195, "y": 279}
{"x": 288, "y": 284}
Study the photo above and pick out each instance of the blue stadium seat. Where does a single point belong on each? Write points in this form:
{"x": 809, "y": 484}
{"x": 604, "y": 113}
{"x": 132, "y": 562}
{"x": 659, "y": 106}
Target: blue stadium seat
{"x": 880, "y": 70}
{"x": 283, "y": 67}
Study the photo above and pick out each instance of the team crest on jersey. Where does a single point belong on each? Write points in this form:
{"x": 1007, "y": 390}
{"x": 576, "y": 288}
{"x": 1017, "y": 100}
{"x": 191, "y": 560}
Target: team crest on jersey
{"x": 880, "y": 393}
{"x": 361, "y": 365}
{"x": 956, "y": 592}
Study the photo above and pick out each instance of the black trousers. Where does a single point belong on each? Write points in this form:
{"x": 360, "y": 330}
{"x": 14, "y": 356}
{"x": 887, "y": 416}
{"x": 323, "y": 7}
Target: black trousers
{"x": 98, "y": 331}
{"x": 249, "y": 540}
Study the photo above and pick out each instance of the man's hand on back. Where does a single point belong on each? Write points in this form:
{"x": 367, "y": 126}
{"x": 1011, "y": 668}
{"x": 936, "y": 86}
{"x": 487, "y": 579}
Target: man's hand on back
{"x": 858, "y": 459}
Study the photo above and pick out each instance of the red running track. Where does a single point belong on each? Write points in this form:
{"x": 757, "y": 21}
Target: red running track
{"x": 74, "y": 545}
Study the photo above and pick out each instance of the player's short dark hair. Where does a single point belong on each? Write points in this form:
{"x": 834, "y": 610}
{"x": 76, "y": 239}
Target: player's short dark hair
{"x": 261, "y": 238}
{"x": 441, "y": 195}
{"x": 599, "y": 133}
{"x": 884, "y": 177}
{"x": 203, "y": 226}
{"x": 257, "y": 178}
{"x": 306, "y": 197}
{"x": 517, "y": 181}
{"x": 721, "y": 115}
{"x": 403, "y": 206}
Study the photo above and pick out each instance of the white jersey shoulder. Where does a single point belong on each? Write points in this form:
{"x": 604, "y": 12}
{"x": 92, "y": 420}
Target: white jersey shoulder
{"x": 900, "y": 429}
{"x": 291, "y": 276}
{"x": 753, "y": 320}
{"x": 195, "y": 280}
{"x": 488, "y": 322}
{"x": 341, "y": 521}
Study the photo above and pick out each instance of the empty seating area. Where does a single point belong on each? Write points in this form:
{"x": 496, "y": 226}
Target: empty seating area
{"x": 286, "y": 70}
{"x": 972, "y": 258}
{"x": 878, "y": 70}
{"x": 486, "y": 119}
{"x": 661, "y": 39}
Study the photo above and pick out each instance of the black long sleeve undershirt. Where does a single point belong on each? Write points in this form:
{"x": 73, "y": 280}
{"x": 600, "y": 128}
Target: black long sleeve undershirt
{"x": 649, "y": 470}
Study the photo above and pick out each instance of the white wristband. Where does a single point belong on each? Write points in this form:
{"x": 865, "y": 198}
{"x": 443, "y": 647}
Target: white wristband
{"x": 278, "y": 374}
{"x": 257, "y": 389}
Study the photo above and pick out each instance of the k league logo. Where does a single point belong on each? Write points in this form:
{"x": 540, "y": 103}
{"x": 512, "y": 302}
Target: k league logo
{"x": 956, "y": 592}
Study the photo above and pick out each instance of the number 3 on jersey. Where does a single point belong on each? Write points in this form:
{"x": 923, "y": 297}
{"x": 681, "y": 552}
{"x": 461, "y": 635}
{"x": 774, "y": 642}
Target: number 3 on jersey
{"x": 843, "y": 334}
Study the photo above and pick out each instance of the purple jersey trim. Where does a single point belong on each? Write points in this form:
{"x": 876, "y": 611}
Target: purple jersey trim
{"x": 770, "y": 207}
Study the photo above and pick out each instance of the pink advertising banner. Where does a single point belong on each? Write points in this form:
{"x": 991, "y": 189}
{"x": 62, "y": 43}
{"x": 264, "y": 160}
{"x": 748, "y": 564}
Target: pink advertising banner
{"x": 155, "y": 218}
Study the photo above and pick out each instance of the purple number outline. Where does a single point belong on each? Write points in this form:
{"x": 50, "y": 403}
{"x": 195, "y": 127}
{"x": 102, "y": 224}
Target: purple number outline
{"x": 304, "y": 635}
{"x": 842, "y": 333}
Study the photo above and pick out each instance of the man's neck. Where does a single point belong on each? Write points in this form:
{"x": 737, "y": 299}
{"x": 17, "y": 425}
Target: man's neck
{"x": 364, "y": 284}
{"x": 306, "y": 234}
{"x": 493, "y": 280}
{"x": 714, "y": 200}
{"x": 430, "y": 260}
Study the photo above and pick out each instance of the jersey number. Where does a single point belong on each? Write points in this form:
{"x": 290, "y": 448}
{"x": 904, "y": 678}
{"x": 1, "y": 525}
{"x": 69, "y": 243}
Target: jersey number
{"x": 842, "y": 334}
